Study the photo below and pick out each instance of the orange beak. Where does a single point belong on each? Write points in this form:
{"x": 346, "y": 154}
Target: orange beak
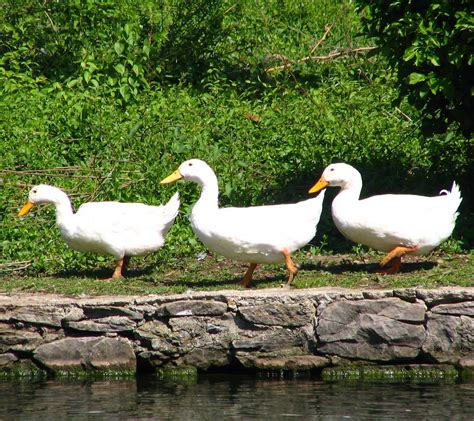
{"x": 25, "y": 209}
{"x": 320, "y": 185}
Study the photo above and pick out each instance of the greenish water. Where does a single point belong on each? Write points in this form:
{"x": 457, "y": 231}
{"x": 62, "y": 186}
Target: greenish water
{"x": 213, "y": 397}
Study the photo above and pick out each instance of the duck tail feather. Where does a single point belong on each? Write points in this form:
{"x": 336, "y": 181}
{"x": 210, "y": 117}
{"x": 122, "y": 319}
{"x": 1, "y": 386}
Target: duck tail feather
{"x": 455, "y": 198}
{"x": 170, "y": 210}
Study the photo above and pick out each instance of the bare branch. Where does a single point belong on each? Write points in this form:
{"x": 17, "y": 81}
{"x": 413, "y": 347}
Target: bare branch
{"x": 331, "y": 56}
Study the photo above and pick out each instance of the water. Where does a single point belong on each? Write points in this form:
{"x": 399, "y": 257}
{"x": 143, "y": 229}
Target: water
{"x": 215, "y": 397}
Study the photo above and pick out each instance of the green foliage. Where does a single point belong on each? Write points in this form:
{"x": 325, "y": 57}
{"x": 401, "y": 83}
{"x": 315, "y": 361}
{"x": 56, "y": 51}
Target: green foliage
{"x": 121, "y": 101}
{"x": 430, "y": 44}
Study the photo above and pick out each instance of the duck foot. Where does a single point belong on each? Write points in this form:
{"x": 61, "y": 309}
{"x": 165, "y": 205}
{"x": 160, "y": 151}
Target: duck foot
{"x": 120, "y": 264}
{"x": 394, "y": 267}
{"x": 290, "y": 266}
{"x": 395, "y": 258}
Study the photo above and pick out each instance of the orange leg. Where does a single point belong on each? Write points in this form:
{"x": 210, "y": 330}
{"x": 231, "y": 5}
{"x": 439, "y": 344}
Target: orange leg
{"x": 290, "y": 266}
{"x": 119, "y": 263}
{"x": 395, "y": 256}
{"x": 247, "y": 279}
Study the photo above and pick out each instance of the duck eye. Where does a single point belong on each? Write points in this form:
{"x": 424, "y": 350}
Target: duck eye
{"x": 331, "y": 169}
{"x": 35, "y": 191}
{"x": 190, "y": 164}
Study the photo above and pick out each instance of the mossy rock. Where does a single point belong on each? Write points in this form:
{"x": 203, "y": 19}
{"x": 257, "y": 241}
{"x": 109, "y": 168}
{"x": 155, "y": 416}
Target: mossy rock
{"x": 185, "y": 373}
{"x": 78, "y": 373}
{"x": 391, "y": 373}
{"x": 21, "y": 370}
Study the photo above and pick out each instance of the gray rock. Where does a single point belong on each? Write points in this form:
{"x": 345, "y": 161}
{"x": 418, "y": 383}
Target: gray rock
{"x": 211, "y": 355}
{"x": 449, "y": 338}
{"x": 377, "y": 294}
{"x": 99, "y": 312}
{"x": 73, "y": 354}
{"x": 458, "y": 309}
{"x": 45, "y": 315}
{"x": 445, "y": 295}
{"x": 12, "y": 339}
{"x": 276, "y": 342}
{"x": 7, "y": 359}
{"x": 293, "y": 363}
{"x": 290, "y": 315}
{"x": 406, "y": 294}
{"x": 191, "y": 308}
{"x": 467, "y": 362}
{"x": 74, "y": 315}
{"x": 159, "y": 337}
{"x": 380, "y": 330}
{"x": 103, "y": 325}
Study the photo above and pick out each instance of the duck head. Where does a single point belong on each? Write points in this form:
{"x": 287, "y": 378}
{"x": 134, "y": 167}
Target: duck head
{"x": 338, "y": 175}
{"x": 192, "y": 170}
{"x": 40, "y": 194}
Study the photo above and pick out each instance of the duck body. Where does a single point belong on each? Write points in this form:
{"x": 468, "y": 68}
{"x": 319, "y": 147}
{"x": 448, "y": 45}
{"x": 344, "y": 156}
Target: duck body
{"x": 117, "y": 229}
{"x": 416, "y": 224}
{"x": 110, "y": 228}
{"x": 399, "y": 220}
{"x": 258, "y": 234}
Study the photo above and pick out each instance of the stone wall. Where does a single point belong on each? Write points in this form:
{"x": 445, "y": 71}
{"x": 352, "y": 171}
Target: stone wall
{"x": 256, "y": 329}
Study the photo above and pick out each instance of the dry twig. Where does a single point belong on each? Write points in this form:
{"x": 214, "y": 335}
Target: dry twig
{"x": 330, "y": 56}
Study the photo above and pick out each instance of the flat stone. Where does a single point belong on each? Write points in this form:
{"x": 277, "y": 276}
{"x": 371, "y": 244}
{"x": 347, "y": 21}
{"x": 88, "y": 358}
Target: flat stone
{"x": 291, "y": 315}
{"x": 375, "y": 294}
{"x": 293, "y": 363}
{"x": 98, "y": 312}
{"x": 103, "y": 325}
{"x": 6, "y": 359}
{"x": 467, "y": 362}
{"x": 445, "y": 295}
{"x": 74, "y": 315}
{"x": 406, "y": 294}
{"x": 12, "y": 339}
{"x": 191, "y": 308}
{"x": 73, "y": 354}
{"x": 449, "y": 338}
{"x": 380, "y": 330}
{"x": 458, "y": 309}
{"x": 45, "y": 315}
{"x": 206, "y": 357}
{"x": 275, "y": 342}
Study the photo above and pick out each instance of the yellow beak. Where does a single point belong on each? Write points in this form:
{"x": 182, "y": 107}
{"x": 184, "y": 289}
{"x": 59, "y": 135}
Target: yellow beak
{"x": 172, "y": 178}
{"x": 320, "y": 185}
{"x": 26, "y": 208}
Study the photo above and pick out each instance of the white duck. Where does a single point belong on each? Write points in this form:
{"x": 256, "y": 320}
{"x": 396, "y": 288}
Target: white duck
{"x": 394, "y": 223}
{"x": 259, "y": 234}
{"x": 114, "y": 228}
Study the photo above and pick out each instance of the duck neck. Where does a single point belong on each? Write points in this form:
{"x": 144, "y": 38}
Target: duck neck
{"x": 64, "y": 213}
{"x": 208, "y": 201}
{"x": 350, "y": 191}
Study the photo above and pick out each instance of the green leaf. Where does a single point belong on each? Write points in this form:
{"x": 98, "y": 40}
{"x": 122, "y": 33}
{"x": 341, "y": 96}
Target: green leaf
{"x": 120, "y": 68}
{"x": 87, "y": 76}
{"x": 410, "y": 53}
{"x": 435, "y": 61}
{"x": 416, "y": 78}
{"x": 72, "y": 83}
{"x": 119, "y": 47}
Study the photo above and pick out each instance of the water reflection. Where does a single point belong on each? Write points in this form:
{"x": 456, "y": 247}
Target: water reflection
{"x": 233, "y": 397}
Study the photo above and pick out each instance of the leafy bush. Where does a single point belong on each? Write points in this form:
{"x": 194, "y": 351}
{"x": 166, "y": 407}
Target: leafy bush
{"x": 105, "y": 132}
{"x": 430, "y": 44}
